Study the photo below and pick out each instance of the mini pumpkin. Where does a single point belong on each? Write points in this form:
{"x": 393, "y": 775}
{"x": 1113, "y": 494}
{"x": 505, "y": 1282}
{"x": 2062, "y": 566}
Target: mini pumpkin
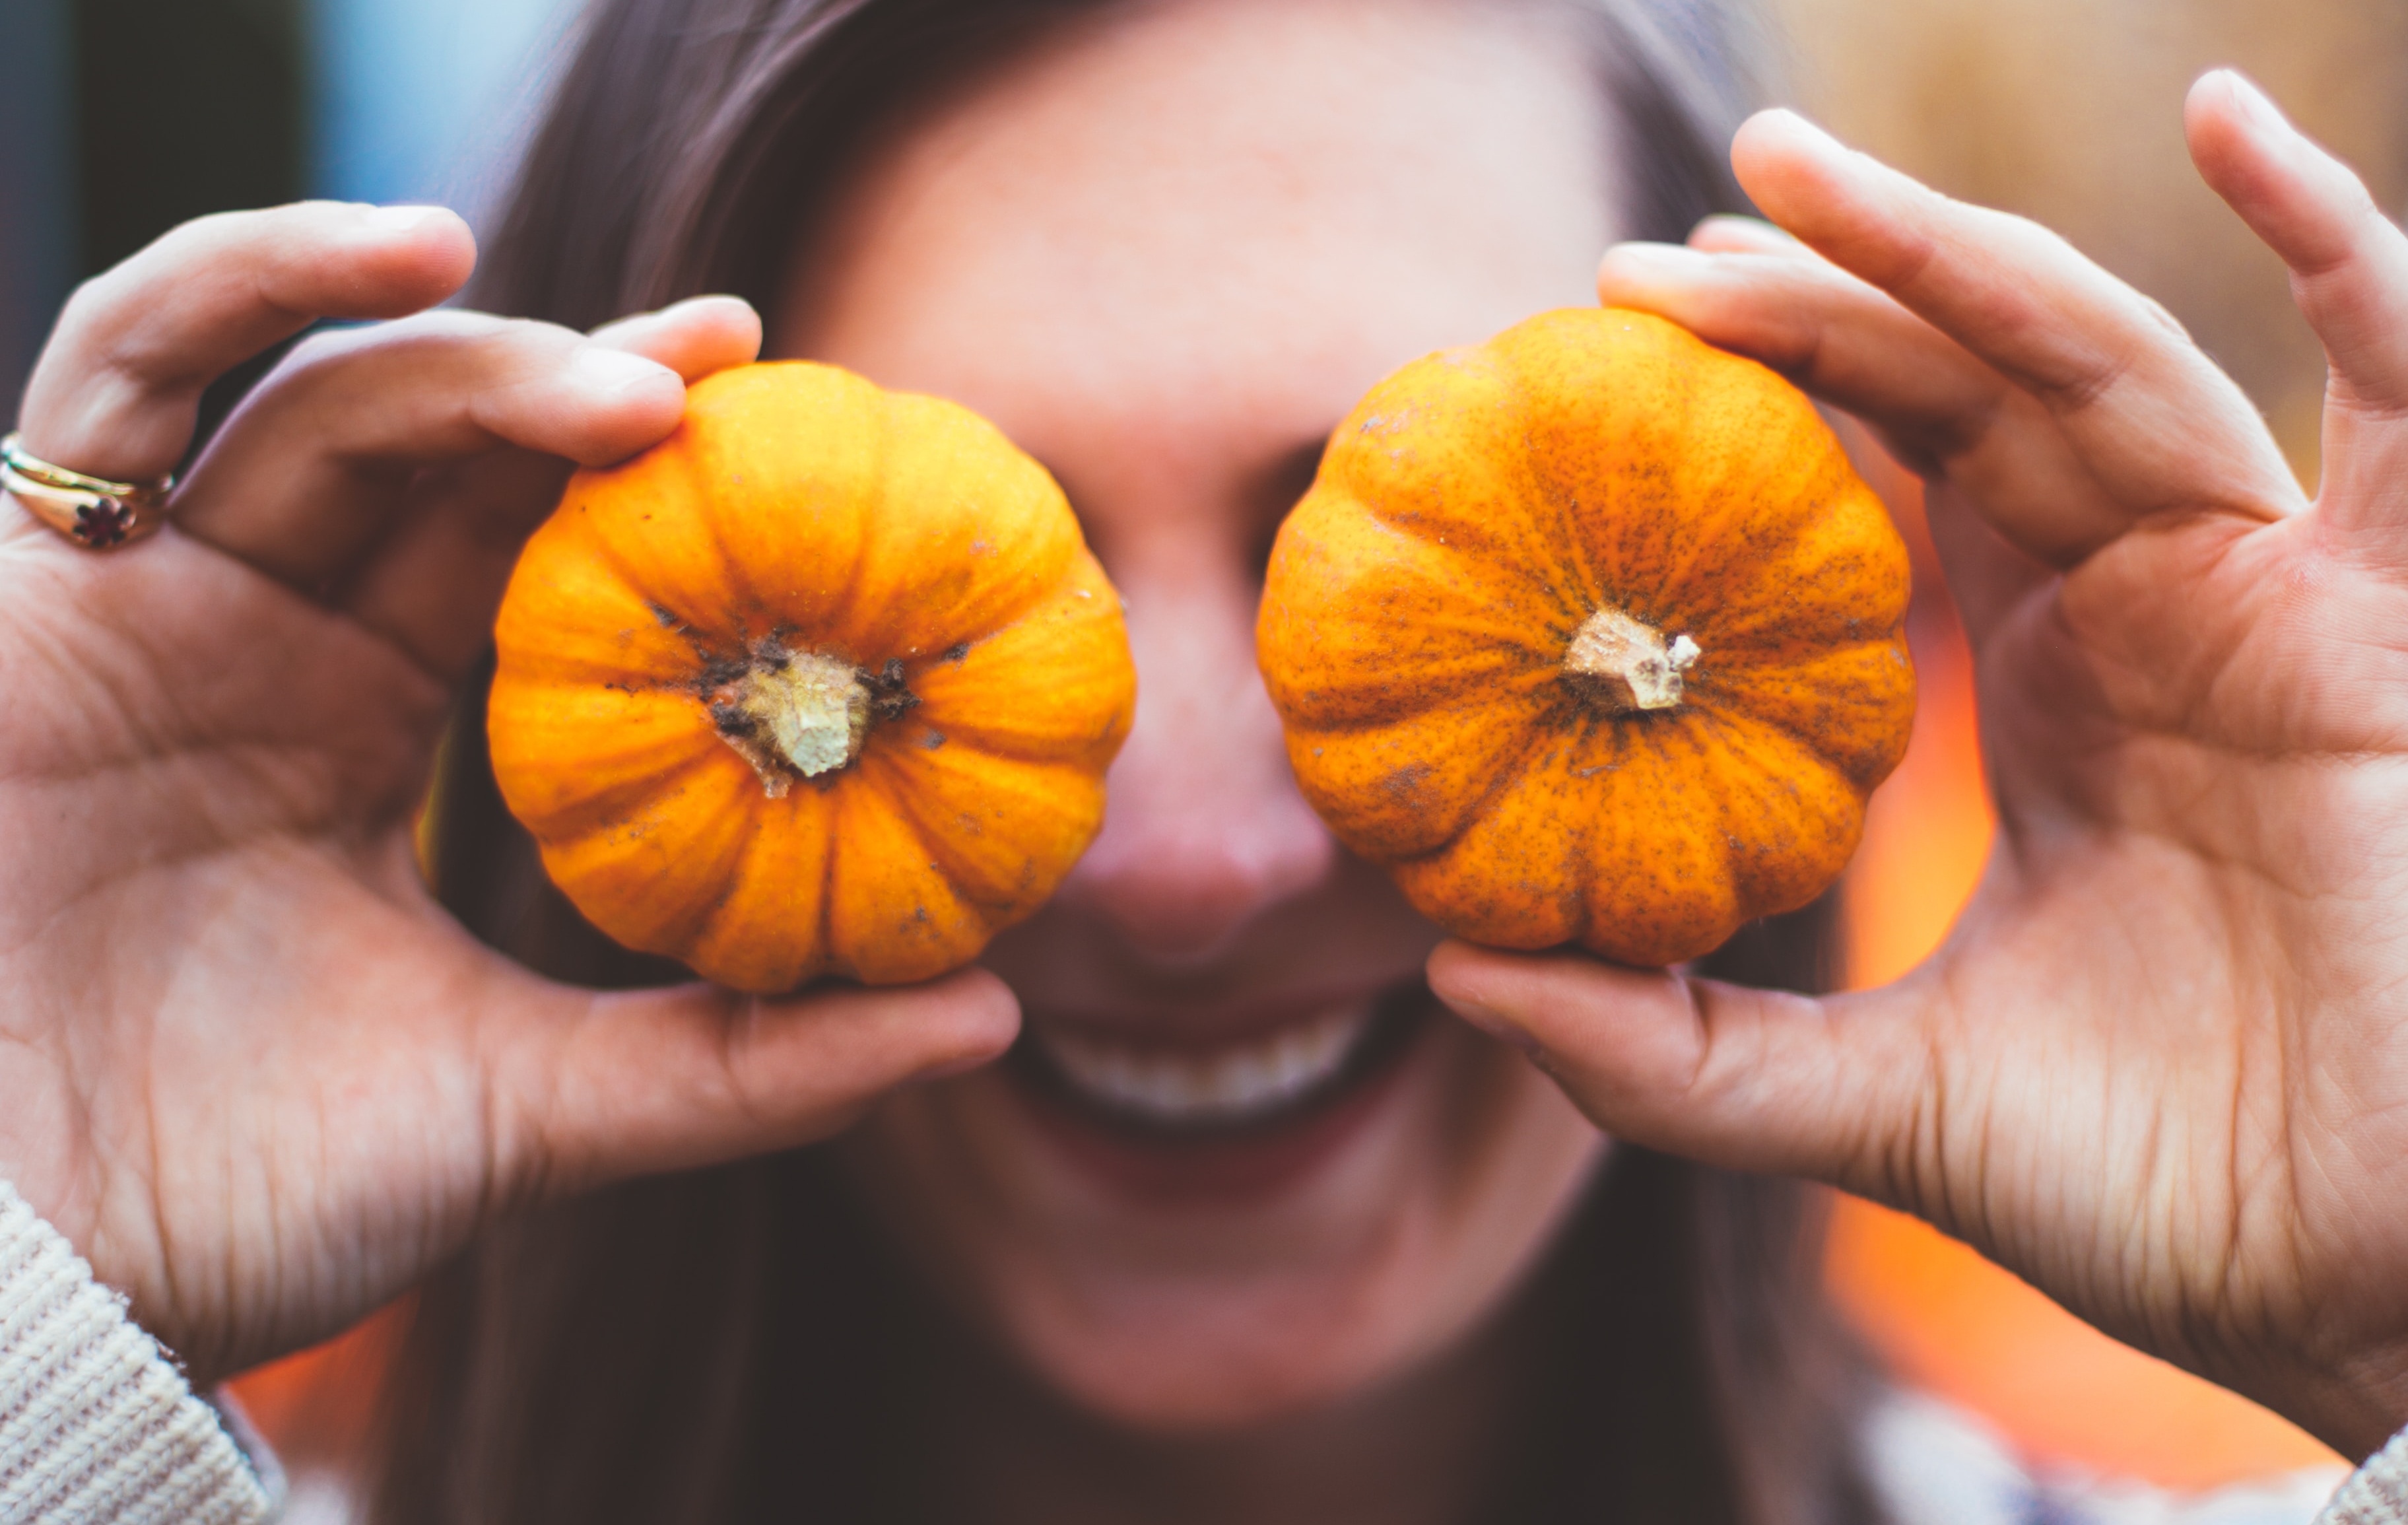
{"x": 824, "y": 682}
{"x": 1590, "y": 634}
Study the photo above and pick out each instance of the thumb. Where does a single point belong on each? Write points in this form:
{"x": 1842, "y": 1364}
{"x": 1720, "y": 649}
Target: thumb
{"x": 1751, "y": 1080}
{"x": 603, "y": 1086}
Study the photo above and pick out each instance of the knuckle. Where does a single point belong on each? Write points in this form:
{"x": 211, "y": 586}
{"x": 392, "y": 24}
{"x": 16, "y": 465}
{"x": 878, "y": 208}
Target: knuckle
{"x": 90, "y": 330}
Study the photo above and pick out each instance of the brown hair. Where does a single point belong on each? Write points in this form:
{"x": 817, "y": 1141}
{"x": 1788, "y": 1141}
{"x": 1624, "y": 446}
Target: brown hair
{"x": 713, "y": 1347}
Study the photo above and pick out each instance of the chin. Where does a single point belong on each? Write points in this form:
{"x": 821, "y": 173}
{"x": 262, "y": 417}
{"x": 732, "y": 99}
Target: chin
{"x": 1215, "y": 1229}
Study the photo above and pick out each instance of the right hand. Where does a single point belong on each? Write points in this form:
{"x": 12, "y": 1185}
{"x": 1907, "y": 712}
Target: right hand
{"x": 248, "y": 1065}
{"x": 2159, "y": 1069}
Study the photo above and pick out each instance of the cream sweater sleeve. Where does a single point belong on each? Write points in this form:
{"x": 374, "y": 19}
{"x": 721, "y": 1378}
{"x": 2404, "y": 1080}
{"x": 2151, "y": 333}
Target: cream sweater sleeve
{"x": 2377, "y": 1492}
{"x": 98, "y": 1427}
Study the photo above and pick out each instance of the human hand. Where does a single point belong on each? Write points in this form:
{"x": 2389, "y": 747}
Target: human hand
{"x": 2160, "y": 1068}
{"x": 247, "y": 1065}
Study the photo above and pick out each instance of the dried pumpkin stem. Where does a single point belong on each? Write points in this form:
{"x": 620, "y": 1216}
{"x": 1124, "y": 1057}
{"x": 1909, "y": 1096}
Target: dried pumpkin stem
{"x": 795, "y": 715}
{"x": 1624, "y": 666}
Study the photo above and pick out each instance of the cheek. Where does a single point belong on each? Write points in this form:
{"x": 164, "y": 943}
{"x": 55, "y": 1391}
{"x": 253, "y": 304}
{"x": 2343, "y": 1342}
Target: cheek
{"x": 1205, "y": 1315}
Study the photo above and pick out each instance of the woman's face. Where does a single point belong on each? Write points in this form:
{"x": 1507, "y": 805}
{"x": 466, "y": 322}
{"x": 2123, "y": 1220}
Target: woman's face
{"x": 1240, "y": 1168}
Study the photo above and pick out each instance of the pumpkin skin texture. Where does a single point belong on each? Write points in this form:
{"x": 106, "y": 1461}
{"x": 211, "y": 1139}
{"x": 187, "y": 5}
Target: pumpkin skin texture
{"x": 1591, "y": 634}
{"x": 825, "y": 682}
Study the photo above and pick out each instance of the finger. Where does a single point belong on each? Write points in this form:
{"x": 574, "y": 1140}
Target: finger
{"x": 432, "y": 586}
{"x": 325, "y": 455}
{"x": 1834, "y": 335}
{"x": 2348, "y": 261}
{"x": 692, "y": 338}
{"x": 1939, "y": 409}
{"x": 2349, "y": 275}
{"x": 2153, "y": 419}
{"x": 607, "y": 1087}
{"x": 1751, "y": 1080}
{"x": 116, "y": 391}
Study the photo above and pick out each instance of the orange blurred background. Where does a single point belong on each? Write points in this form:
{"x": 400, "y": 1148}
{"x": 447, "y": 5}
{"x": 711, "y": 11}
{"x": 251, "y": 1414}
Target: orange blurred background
{"x": 2067, "y": 111}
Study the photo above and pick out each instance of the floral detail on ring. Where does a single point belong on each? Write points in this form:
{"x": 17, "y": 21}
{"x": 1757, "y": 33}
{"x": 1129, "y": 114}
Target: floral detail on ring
{"x": 104, "y": 524}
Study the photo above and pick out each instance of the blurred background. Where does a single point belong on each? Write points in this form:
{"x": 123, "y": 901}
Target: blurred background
{"x": 124, "y": 117}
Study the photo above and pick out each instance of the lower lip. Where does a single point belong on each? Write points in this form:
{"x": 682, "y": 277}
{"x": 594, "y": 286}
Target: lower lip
{"x": 1222, "y": 1167}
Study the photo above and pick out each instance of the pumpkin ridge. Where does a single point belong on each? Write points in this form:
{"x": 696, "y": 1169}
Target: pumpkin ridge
{"x": 1009, "y": 557}
{"x": 536, "y": 659}
{"x": 1763, "y": 877}
{"x": 1400, "y": 403}
{"x": 914, "y": 947}
{"x": 726, "y": 918}
{"x": 1570, "y": 538}
{"x": 840, "y": 615}
{"x": 569, "y": 854}
{"x": 1532, "y": 679}
{"x": 915, "y": 798}
{"x": 1075, "y": 665}
{"x": 1404, "y": 566}
{"x": 937, "y": 845}
{"x": 893, "y": 796}
{"x": 1729, "y": 701}
{"x": 1678, "y": 752}
{"x": 610, "y": 806}
{"x": 672, "y": 620}
{"x": 1691, "y": 555}
{"x": 658, "y": 939}
{"x": 690, "y": 465}
{"x": 1732, "y": 710}
{"x": 1577, "y": 597}
{"x": 1507, "y": 773}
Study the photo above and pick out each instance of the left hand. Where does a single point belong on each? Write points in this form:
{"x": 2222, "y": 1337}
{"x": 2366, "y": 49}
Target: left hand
{"x": 2160, "y": 1068}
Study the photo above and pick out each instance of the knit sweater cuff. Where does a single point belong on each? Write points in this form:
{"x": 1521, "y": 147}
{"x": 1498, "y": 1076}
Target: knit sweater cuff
{"x": 2377, "y": 1492}
{"x": 96, "y": 1424}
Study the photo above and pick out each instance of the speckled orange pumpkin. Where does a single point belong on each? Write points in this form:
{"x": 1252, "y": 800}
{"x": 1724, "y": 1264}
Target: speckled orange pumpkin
{"x": 1590, "y": 634}
{"x": 824, "y": 682}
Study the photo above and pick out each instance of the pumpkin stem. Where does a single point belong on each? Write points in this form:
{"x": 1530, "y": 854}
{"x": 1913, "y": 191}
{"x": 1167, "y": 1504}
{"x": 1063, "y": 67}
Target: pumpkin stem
{"x": 794, "y": 715}
{"x": 1623, "y": 666}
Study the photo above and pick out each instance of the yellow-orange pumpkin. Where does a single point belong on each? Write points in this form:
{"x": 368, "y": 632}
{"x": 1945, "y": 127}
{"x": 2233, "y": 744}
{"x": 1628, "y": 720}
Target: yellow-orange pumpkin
{"x": 824, "y": 682}
{"x": 1591, "y": 634}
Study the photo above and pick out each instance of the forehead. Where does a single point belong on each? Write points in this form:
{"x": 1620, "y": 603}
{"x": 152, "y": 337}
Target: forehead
{"x": 1257, "y": 206}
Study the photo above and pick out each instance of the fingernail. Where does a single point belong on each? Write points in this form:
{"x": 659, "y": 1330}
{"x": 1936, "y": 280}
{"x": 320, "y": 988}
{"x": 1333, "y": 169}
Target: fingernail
{"x": 615, "y": 370}
{"x": 401, "y": 219}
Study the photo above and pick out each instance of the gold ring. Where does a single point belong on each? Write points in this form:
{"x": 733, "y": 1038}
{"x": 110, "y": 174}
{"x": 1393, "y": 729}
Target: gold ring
{"x": 93, "y": 511}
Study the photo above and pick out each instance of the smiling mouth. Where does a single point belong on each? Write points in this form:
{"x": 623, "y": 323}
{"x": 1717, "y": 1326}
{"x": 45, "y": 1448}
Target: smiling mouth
{"x": 1262, "y": 1082}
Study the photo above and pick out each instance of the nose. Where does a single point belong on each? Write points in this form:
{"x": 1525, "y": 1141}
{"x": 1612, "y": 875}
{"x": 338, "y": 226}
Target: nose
{"x": 1204, "y": 831}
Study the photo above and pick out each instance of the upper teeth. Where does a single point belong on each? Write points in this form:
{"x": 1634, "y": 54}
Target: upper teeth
{"x": 1224, "y": 1086}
